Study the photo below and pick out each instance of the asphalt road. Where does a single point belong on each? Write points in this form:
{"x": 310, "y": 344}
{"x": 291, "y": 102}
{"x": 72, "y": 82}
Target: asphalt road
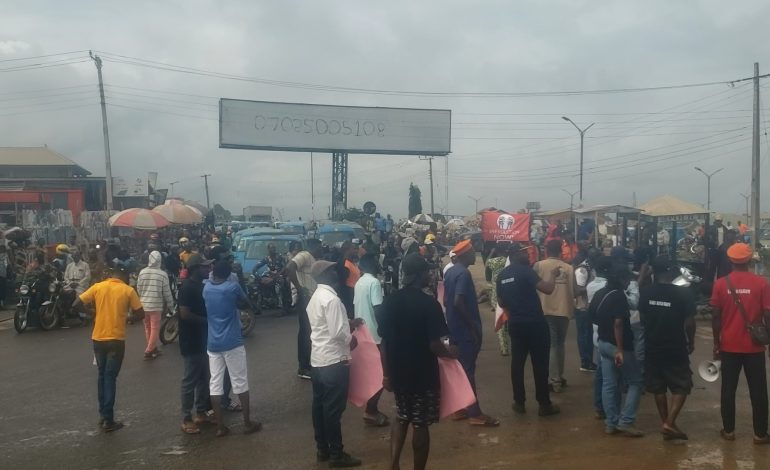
{"x": 48, "y": 417}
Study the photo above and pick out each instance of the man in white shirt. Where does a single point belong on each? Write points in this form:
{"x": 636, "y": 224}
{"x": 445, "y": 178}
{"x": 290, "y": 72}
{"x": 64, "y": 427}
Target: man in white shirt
{"x": 77, "y": 278}
{"x": 331, "y": 341}
{"x": 450, "y": 263}
{"x": 367, "y": 300}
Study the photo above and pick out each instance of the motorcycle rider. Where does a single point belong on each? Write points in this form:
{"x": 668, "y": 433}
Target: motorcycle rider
{"x": 77, "y": 278}
{"x": 275, "y": 264}
{"x": 62, "y": 258}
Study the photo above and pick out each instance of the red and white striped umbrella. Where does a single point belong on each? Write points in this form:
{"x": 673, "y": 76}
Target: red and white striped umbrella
{"x": 141, "y": 219}
{"x": 179, "y": 214}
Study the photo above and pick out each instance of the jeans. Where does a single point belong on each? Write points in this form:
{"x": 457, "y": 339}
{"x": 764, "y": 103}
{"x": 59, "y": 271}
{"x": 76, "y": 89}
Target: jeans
{"x": 557, "y": 329}
{"x": 303, "y": 334}
{"x": 330, "y": 396}
{"x": 195, "y": 385}
{"x": 530, "y": 339}
{"x": 109, "y": 358}
{"x": 638, "y": 330}
{"x": 584, "y": 338}
{"x": 753, "y": 365}
{"x": 469, "y": 352}
{"x": 625, "y": 414}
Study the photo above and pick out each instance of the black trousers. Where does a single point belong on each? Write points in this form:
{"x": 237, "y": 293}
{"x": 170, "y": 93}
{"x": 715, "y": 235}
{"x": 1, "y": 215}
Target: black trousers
{"x": 530, "y": 339}
{"x": 753, "y": 365}
{"x": 330, "y": 396}
{"x": 303, "y": 334}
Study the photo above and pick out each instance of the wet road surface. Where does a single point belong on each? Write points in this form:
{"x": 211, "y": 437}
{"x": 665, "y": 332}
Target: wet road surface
{"x": 48, "y": 415}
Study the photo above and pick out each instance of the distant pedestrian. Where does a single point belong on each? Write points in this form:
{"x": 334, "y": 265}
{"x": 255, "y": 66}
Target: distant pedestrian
{"x": 412, "y": 326}
{"x": 331, "y": 342}
{"x": 495, "y": 265}
{"x": 558, "y": 307}
{"x": 193, "y": 333}
{"x": 113, "y": 298}
{"x": 225, "y": 345}
{"x": 5, "y": 268}
{"x": 584, "y": 274}
{"x": 667, "y": 313}
{"x": 368, "y": 297}
{"x": 464, "y": 321}
{"x": 739, "y": 299}
{"x": 517, "y": 288}
{"x": 152, "y": 284}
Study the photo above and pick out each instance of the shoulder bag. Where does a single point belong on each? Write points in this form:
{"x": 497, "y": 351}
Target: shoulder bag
{"x": 757, "y": 331}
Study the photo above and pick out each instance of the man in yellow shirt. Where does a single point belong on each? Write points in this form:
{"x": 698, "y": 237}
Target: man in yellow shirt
{"x": 113, "y": 298}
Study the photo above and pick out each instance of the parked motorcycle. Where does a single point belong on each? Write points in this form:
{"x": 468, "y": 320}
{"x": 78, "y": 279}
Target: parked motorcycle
{"x": 27, "y": 309}
{"x": 169, "y": 326}
{"x": 269, "y": 292}
{"x": 688, "y": 279}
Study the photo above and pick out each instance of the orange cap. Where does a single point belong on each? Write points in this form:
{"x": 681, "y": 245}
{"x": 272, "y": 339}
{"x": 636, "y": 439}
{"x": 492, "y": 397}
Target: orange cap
{"x": 462, "y": 247}
{"x": 740, "y": 253}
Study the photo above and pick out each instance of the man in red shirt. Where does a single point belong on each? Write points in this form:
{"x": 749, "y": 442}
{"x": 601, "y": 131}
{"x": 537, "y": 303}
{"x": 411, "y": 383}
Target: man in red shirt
{"x": 733, "y": 344}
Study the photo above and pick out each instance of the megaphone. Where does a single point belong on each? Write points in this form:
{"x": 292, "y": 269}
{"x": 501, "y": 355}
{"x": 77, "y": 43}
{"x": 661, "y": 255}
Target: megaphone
{"x": 709, "y": 370}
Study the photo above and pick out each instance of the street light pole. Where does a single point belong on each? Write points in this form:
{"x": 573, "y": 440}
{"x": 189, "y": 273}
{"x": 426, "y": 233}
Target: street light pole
{"x": 571, "y": 207}
{"x": 476, "y": 200}
{"x": 582, "y": 136}
{"x": 708, "y": 185}
{"x": 748, "y": 214}
{"x": 172, "y": 186}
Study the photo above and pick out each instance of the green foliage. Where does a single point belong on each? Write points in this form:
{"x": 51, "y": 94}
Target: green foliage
{"x": 415, "y": 200}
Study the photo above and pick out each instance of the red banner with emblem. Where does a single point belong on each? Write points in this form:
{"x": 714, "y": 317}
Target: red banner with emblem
{"x": 504, "y": 226}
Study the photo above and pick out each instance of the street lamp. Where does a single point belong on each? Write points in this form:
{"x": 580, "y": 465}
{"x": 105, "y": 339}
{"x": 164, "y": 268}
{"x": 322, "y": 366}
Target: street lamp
{"x": 582, "y": 134}
{"x": 571, "y": 206}
{"x": 172, "y": 186}
{"x": 476, "y": 200}
{"x": 708, "y": 185}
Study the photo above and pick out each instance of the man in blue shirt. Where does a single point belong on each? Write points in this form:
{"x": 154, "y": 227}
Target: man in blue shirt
{"x": 517, "y": 287}
{"x": 225, "y": 344}
{"x": 464, "y": 322}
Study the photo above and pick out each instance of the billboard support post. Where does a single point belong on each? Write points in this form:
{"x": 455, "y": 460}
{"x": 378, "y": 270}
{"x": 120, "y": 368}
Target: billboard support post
{"x": 339, "y": 183}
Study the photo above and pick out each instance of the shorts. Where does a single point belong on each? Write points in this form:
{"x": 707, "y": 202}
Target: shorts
{"x": 420, "y": 409}
{"x": 233, "y": 362}
{"x": 673, "y": 376}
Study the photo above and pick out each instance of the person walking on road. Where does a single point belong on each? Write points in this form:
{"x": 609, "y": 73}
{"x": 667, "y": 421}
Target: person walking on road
{"x": 464, "y": 321}
{"x": 584, "y": 274}
{"x": 610, "y": 309}
{"x": 155, "y": 294}
{"x": 298, "y": 270}
{"x": 557, "y": 307}
{"x": 331, "y": 342}
{"x": 517, "y": 288}
{"x": 193, "y": 332}
{"x": 412, "y": 326}
{"x": 225, "y": 345}
{"x": 113, "y": 298}
{"x": 495, "y": 265}
{"x": 739, "y": 299}
{"x": 667, "y": 313}
{"x": 367, "y": 299}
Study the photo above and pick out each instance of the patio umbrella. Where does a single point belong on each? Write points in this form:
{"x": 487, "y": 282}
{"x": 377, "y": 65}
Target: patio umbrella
{"x": 141, "y": 219}
{"x": 422, "y": 219}
{"x": 179, "y": 214}
{"x": 455, "y": 223}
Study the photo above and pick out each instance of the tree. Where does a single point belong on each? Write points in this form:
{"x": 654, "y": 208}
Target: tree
{"x": 220, "y": 213}
{"x": 415, "y": 200}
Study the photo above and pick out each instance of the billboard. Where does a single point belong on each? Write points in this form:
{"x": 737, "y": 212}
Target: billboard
{"x": 497, "y": 225}
{"x": 129, "y": 187}
{"x": 297, "y": 127}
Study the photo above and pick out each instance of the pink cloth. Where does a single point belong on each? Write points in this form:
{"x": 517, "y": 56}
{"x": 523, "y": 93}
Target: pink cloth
{"x": 365, "y": 368}
{"x": 151, "y": 330}
{"x": 456, "y": 391}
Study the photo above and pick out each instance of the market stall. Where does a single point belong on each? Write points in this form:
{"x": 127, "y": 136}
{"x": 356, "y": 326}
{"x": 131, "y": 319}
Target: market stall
{"x": 678, "y": 227}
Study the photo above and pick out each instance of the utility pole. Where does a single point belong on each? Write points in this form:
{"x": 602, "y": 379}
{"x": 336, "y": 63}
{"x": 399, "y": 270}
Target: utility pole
{"x": 708, "y": 185}
{"x": 755, "y": 214}
{"x": 172, "y": 186}
{"x": 430, "y": 176}
{"x": 571, "y": 208}
{"x": 312, "y": 187}
{"x": 206, "y": 185}
{"x": 748, "y": 214}
{"x": 446, "y": 184}
{"x": 582, "y": 135}
{"x": 107, "y": 163}
{"x": 476, "y": 200}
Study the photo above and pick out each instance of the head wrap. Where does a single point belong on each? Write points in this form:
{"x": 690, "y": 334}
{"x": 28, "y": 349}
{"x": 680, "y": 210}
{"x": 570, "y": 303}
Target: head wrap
{"x": 740, "y": 253}
{"x": 462, "y": 247}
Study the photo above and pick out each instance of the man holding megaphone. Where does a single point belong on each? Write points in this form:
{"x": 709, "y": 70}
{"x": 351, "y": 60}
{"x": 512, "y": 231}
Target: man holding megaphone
{"x": 741, "y": 302}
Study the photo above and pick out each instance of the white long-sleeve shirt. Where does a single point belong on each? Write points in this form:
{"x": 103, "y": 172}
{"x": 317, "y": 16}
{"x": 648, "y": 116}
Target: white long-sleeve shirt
{"x": 80, "y": 273}
{"x": 329, "y": 328}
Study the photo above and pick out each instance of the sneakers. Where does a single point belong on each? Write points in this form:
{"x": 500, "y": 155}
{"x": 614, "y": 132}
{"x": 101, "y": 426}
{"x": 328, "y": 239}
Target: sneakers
{"x": 343, "y": 460}
{"x": 548, "y": 410}
{"x": 762, "y": 440}
{"x": 610, "y": 430}
{"x": 555, "y": 388}
{"x": 110, "y": 426}
{"x": 588, "y": 368}
{"x": 519, "y": 408}
{"x": 303, "y": 374}
{"x": 630, "y": 431}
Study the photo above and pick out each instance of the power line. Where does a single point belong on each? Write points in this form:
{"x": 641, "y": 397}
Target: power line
{"x": 44, "y": 56}
{"x": 43, "y": 66}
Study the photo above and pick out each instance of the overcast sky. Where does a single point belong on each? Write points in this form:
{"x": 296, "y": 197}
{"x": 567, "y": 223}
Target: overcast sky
{"x": 505, "y": 150}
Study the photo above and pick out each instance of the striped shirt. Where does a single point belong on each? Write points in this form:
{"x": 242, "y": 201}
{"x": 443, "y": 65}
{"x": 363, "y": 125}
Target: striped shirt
{"x": 154, "y": 290}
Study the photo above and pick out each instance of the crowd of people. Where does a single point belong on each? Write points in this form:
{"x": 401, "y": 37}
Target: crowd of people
{"x": 635, "y": 328}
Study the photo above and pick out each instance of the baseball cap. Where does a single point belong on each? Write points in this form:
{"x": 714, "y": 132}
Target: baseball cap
{"x": 196, "y": 260}
{"x": 662, "y": 264}
{"x": 319, "y": 267}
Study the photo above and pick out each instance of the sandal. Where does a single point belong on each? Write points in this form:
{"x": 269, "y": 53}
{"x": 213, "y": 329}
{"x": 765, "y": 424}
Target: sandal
{"x": 670, "y": 434}
{"x": 485, "y": 421}
{"x": 234, "y": 406}
{"x": 379, "y": 420}
{"x": 459, "y": 415}
{"x": 222, "y": 432}
{"x": 189, "y": 427}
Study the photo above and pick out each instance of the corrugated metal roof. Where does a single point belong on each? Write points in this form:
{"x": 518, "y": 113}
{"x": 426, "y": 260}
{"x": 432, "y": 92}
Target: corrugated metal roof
{"x": 36, "y": 156}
